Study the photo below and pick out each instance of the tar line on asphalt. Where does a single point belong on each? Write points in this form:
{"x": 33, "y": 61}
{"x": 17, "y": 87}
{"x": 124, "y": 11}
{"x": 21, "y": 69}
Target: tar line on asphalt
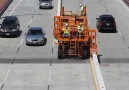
{"x": 18, "y": 49}
{"x": 14, "y": 60}
{"x": 52, "y": 54}
{"x": 2, "y": 87}
{"x": 104, "y": 6}
{"x": 51, "y": 57}
{"x": 123, "y": 39}
{"x": 33, "y": 16}
{"x": 51, "y": 62}
{"x": 15, "y": 55}
{"x": 48, "y": 88}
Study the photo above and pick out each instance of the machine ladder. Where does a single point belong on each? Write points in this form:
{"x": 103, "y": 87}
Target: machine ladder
{"x": 73, "y": 48}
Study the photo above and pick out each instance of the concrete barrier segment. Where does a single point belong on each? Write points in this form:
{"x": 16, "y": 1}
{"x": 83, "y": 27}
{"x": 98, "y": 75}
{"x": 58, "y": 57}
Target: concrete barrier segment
{"x": 99, "y": 82}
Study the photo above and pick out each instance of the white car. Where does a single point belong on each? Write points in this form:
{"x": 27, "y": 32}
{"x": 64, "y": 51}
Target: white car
{"x": 45, "y": 4}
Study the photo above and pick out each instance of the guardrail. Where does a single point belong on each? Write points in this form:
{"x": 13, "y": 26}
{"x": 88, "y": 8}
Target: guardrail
{"x": 4, "y": 6}
{"x": 126, "y": 1}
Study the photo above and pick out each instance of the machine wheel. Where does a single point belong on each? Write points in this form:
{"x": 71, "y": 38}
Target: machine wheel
{"x": 85, "y": 53}
{"x": 60, "y": 52}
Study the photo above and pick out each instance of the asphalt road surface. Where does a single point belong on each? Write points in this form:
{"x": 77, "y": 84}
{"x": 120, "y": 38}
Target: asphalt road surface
{"x": 37, "y": 67}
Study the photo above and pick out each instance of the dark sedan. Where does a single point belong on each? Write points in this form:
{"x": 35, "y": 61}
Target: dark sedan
{"x": 10, "y": 26}
{"x": 106, "y": 22}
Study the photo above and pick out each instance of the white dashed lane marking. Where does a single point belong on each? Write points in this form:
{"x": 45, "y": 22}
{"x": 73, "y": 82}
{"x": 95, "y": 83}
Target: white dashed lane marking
{"x": 15, "y": 7}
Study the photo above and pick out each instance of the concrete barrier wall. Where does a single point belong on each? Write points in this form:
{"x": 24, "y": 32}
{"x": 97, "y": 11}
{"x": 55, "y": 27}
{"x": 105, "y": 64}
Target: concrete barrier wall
{"x": 4, "y": 6}
{"x": 126, "y": 1}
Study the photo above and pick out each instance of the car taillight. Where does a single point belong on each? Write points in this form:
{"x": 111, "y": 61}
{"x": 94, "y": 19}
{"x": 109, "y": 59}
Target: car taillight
{"x": 115, "y": 24}
{"x": 100, "y": 23}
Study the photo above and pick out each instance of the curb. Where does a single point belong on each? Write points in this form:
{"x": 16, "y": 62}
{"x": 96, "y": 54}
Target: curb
{"x": 5, "y": 6}
{"x": 126, "y": 1}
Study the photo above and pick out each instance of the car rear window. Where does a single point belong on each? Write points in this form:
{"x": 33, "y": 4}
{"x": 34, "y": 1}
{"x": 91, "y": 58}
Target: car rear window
{"x": 35, "y": 32}
{"x": 8, "y": 22}
{"x": 107, "y": 19}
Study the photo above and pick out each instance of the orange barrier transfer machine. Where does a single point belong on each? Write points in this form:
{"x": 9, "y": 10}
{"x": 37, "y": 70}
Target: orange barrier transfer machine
{"x": 75, "y": 43}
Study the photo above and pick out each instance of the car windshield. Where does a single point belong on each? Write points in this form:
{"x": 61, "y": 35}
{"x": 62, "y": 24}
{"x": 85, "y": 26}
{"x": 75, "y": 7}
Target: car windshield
{"x": 8, "y": 22}
{"x": 35, "y": 32}
{"x": 108, "y": 19}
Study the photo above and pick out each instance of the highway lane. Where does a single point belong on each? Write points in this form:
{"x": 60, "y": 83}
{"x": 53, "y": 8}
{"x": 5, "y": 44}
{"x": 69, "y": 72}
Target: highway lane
{"x": 38, "y": 67}
{"x": 15, "y": 68}
{"x": 73, "y": 74}
{"x": 112, "y": 47}
{"x": 8, "y": 49}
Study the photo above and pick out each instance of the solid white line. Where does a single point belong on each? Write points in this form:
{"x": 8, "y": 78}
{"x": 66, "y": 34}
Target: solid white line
{"x": 7, "y": 75}
{"x": 15, "y": 7}
{"x": 53, "y": 43}
{"x": 124, "y": 5}
{"x": 50, "y": 71}
{"x": 21, "y": 42}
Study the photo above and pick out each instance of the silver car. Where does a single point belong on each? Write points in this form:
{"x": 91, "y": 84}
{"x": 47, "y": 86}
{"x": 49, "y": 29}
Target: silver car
{"x": 45, "y": 4}
{"x": 35, "y": 36}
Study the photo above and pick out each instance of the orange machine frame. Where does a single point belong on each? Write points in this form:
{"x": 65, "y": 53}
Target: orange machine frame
{"x": 75, "y": 45}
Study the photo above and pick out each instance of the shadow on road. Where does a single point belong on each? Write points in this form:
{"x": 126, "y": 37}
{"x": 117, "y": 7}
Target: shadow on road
{"x": 41, "y": 61}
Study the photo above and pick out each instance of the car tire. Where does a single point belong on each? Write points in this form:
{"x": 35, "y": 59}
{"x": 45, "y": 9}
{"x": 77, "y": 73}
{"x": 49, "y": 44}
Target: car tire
{"x": 27, "y": 44}
{"x": 115, "y": 30}
{"x": 45, "y": 41}
{"x": 99, "y": 29}
{"x": 42, "y": 44}
{"x": 51, "y": 7}
{"x": 17, "y": 35}
{"x": 40, "y": 7}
